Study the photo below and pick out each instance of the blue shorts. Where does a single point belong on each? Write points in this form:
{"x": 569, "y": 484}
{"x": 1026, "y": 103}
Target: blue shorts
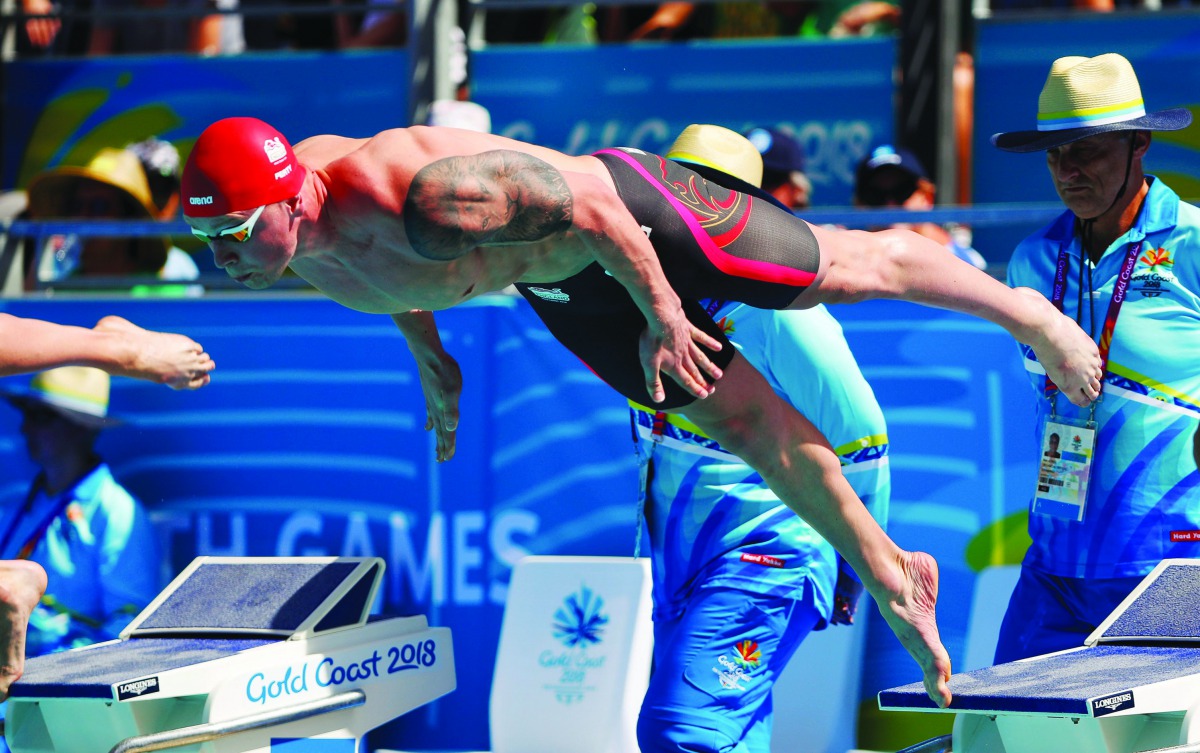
{"x": 1047, "y": 613}
{"x": 714, "y": 667}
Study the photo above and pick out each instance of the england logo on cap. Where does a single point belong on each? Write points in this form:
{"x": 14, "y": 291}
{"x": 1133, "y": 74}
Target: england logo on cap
{"x": 275, "y": 150}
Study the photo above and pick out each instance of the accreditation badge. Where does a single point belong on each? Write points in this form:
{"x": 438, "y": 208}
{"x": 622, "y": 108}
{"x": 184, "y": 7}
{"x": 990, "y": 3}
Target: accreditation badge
{"x": 1068, "y": 448}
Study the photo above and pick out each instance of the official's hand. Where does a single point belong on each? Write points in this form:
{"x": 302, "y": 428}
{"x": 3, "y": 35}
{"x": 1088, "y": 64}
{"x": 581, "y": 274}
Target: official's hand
{"x": 674, "y": 350}
{"x": 441, "y": 384}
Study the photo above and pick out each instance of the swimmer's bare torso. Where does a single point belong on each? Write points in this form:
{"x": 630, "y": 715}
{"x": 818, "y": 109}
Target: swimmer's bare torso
{"x": 392, "y": 223}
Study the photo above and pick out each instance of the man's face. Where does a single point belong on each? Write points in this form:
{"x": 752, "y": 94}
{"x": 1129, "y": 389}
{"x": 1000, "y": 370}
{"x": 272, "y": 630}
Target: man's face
{"x": 1088, "y": 173}
{"x": 103, "y": 255}
{"x": 889, "y": 186}
{"x": 47, "y": 433}
{"x": 261, "y": 259}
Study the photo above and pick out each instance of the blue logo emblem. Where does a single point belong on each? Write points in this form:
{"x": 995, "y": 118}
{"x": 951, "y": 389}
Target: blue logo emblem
{"x": 580, "y": 621}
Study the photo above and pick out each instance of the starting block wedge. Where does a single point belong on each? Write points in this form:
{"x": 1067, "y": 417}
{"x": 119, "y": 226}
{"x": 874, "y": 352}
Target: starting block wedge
{"x": 238, "y": 655}
{"x": 1133, "y": 686}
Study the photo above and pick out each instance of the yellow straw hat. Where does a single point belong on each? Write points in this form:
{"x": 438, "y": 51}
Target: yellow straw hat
{"x": 79, "y": 393}
{"x": 720, "y": 149}
{"x": 1085, "y": 96}
{"x": 50, "y": 193}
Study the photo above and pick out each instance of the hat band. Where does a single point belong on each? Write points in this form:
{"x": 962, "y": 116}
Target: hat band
{"x": 689, "y": 157}
{"x": 1061, "y": 121}
{"x": 72, "y": 402}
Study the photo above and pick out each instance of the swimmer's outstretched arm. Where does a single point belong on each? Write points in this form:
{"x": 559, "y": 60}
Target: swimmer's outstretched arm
{"x": 115, "y": 345}
{"x": 441, "y": 378}
{"x": 857, "y": 265}
{"x": 457, "y": 204}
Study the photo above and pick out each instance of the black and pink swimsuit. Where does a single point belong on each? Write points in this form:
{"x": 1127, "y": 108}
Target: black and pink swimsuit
{"x": 712, "y": 243}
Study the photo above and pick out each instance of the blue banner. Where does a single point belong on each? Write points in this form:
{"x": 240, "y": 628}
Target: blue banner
{"x": 310, "y": 441}
{"x": 835, "y": 96}
{"x": 63, "y": 111}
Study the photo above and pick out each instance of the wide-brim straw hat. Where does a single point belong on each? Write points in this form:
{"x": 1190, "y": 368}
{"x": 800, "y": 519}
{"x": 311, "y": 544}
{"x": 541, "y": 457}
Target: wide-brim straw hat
{"x": 1085, "y": 96}
{"x": 50, "y": 193}
{"x": 721, "y": 149}
{"x": 725, "y": 157}
{"x": 79, "y": 393}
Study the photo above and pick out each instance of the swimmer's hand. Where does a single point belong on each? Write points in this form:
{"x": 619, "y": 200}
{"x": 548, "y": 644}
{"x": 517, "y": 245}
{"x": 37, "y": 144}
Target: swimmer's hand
{"x": 673, "y": 348}
{"x": 441, "y": 378}
{"x": 441, "y": 383}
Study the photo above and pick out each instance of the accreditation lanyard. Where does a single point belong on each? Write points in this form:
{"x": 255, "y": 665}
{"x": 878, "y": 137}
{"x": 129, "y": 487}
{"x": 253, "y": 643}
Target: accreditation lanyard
{"x": 1120, "y": 289}
{"x": 1068, "y": 446}
{"x": 38, "y": 533}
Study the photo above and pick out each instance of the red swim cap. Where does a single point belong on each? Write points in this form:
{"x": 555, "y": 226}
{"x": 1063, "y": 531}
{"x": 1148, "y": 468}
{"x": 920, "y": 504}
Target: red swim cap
{"x": 237, "y": 164}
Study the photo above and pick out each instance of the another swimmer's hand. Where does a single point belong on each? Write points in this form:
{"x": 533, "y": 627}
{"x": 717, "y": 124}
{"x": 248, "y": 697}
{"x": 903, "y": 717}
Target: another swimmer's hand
{"x": 441, "y": 383}
{"x": 1069, "y": 355}
{"x": 675, "y": 350}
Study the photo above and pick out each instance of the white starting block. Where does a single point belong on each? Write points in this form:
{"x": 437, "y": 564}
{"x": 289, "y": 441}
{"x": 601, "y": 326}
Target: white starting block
{"x": 1133, "y": 686}
{"x": 238, "y": 655}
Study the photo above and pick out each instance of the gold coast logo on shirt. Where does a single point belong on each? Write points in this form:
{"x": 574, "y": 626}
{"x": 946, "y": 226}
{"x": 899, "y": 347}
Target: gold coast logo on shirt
{"x": 734, "y": 674}
{"x": 1157, "y": 275}
{"x": 748, "y": 654}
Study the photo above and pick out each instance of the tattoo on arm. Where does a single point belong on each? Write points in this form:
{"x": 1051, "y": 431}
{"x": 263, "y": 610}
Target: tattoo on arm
{"x": 457, "y": 203}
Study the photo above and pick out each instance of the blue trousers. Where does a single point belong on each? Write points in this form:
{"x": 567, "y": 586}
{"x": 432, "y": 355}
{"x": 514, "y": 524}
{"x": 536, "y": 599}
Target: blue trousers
{"x": 714, "y": 667}
{"x": 1047, "y": 613}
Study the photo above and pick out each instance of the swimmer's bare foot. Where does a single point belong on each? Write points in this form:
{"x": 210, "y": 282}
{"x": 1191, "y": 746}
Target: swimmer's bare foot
{"x": 22, "y": 584}
{"x": 1068, "y": 354}
{"x": 909, "y": 608}
{"x": 174, "y": 360}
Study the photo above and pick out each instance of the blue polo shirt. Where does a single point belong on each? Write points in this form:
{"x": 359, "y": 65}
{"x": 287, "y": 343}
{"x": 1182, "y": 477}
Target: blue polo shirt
{"x": 1143, "y": 500}
{"x": 100, "y": 555}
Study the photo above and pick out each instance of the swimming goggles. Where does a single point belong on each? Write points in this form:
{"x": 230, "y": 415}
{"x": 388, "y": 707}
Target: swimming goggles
{"x": 241, "y": 233}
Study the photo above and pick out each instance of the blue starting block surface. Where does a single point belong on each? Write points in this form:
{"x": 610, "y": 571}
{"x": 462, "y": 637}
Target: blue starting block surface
{"x": 1152, "y": 637}
{"x": 1063, "y": 683}
{"x": 284, "y": 596}
{"x": 267, "y": 596}
{"x": 216, "y": 608}
{"x": 1160, "y": 610}
{"x": 90, "y": 672}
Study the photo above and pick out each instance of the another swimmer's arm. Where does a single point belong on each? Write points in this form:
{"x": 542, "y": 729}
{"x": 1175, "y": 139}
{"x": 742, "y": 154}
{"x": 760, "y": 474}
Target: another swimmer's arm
{"x": 113, "y": 345}
{"x": 441, "y": 378}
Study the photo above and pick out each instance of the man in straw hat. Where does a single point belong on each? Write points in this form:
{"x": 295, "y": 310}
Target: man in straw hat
{"x": 737, "y": 574}
{"x": 111, "y": 186}
{"x": 90, "y": 535}
{"x": 612, "y": 251}
{"x": 1124, "y": 262}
